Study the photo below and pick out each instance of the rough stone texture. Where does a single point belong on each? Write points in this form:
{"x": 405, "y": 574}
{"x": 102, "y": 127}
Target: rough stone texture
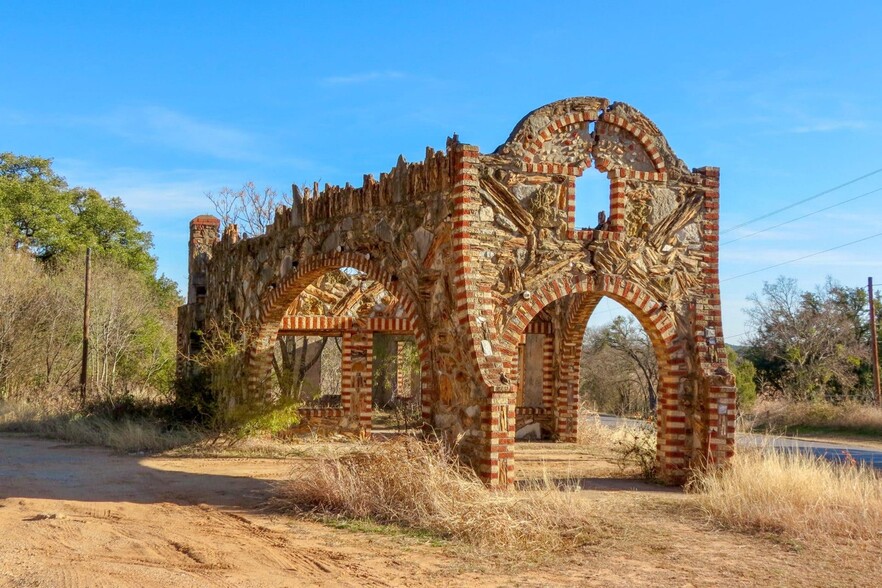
{"x": 479, "y": 249}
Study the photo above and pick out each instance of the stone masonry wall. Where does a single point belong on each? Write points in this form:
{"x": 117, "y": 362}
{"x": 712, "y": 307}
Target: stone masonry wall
{"x": 475, "y": 247}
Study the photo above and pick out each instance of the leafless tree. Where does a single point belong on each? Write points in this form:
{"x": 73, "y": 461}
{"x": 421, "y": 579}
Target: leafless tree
{"x": 132, "y": 333}
{"x": 248, "y": 208}
{"x": 294, "y": 357}
{"x": 619, "y": 368}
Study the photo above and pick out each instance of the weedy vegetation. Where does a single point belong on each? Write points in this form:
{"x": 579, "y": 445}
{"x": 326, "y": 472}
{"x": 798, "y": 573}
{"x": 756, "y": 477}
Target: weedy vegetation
{"x": 419, "y": 486}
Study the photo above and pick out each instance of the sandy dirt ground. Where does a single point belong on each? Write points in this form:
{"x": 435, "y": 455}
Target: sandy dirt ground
{"x": 84, "y": 516}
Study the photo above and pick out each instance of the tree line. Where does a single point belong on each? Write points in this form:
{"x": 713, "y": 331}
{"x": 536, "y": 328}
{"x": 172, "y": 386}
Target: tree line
{"x": 45, "y": 228}
{"x": 804, "y": 345}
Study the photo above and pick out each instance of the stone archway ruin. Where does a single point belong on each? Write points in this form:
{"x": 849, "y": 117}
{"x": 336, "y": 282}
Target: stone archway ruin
{"x": 474, "y": 246}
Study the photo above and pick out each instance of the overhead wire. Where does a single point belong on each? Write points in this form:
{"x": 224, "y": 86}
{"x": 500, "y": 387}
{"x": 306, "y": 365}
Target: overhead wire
{"x": 803, "y": 201}
{"x": 781, "y": 224}
{"x": 801, "y": 258}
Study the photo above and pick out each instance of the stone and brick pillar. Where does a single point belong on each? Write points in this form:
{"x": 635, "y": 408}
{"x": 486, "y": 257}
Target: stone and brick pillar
{"x": 475, "y": 313}
{"x": 357, "y": 379}
{"x": 721, "y": 393}
{"x": 204, "y": 232}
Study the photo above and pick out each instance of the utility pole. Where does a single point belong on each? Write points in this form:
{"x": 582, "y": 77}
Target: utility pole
{"x": 876, "y": 387}
{"x": 84, "y": 371}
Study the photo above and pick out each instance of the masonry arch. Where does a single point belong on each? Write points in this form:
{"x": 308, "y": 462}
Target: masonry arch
{"x": 567, "y": 137}
{"x": 581, "y": 296}
{"x": 279, "y": 299}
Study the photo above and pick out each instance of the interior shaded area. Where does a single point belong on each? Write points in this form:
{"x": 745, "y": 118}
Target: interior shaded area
{"x": 396, "y": 399}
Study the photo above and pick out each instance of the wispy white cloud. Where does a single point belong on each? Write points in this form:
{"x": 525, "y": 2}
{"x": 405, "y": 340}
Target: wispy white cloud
{"x": 363, "y": 78}
{"x": 13, "y": 117}
{"x": 171, "y": 192}
{"x": 169, "y": 128}
{"x": 790, "y": 101}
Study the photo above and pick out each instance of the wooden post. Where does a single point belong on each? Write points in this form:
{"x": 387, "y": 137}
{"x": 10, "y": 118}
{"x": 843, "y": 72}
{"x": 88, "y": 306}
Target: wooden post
{"x": 84, "y": 371}
{"x": 875, "y": 347}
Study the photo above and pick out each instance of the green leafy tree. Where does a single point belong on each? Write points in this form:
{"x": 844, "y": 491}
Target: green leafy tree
{"x": 810, "y": 345}
{"x": 107, "y": 227}
{"x": 45, "y": 227}
{"x": 40, "y": 213}
{"x": 35, "y": 205}
{"x": 745, "y": 378}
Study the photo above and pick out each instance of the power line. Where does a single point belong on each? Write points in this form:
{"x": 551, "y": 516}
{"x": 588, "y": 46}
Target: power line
{"x": 801, "y": 217}
{"x": 803, "y": 201}
{"x": 803, "y": 257}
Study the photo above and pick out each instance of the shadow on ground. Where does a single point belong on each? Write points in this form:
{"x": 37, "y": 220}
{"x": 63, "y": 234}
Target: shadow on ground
{"x": 41, "y": 468}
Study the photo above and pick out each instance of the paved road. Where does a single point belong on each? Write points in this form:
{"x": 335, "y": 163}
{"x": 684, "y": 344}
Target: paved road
{"x": 831, "y": 451}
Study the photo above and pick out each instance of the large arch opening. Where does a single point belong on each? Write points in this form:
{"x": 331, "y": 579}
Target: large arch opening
{"x": 557, "y": 375}
{"x": 618, "y": 366}
{"x": 316, "y": 344}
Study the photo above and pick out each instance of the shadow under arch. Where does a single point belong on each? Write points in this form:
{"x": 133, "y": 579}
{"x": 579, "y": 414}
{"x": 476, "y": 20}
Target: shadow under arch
{"x": 651, "y": 315}
{"x": 276, "y": 302}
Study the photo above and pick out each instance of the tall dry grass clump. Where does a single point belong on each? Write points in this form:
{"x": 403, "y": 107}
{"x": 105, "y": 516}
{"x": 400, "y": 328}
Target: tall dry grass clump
{"x": 591, "y": 431}
{"x": 846, "y": 416}
{"x": 419, "y": 486}
{"x": 630, "y": 443}
{"x": 127, "y": 433}
{"x": 794, "y": 493}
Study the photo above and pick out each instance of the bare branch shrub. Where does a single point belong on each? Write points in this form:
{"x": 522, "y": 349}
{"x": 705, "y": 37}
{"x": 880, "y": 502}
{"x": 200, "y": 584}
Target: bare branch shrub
{"x": 249, "y": 208}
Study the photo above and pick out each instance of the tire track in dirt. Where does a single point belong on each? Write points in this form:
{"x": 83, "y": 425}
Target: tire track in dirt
{"x": 320, "y": 565}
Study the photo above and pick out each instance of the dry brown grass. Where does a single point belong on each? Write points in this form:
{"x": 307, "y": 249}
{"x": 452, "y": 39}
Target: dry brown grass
{"x": 628, "y": 444}
{"x": 794, "y": 494}
{"x": 418, "y": 486}
{"x": 852, "y": 417}
{"x": 123, "y": 434}
{"x": 591, "y": 431}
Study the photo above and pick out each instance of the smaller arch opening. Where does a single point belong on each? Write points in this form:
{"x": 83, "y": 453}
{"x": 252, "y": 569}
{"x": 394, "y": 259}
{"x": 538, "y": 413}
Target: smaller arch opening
{"x": 331, "y": 354}
{"x": 604, "y": 385}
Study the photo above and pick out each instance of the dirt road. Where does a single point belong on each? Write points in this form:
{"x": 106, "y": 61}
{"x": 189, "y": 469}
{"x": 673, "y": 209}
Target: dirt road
{"x": 84, "y": 516}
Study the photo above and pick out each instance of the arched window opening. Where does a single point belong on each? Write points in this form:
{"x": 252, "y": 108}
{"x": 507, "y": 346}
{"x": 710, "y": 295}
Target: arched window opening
{"x": 346, "y": 343}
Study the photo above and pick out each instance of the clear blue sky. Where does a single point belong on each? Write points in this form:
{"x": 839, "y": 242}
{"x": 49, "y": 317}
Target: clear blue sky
{"x": 159, "y": 102}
